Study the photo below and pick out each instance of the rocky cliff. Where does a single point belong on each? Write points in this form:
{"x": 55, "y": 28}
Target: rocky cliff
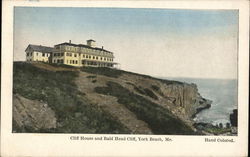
{"x": 32, "y": 114}
{"x": 53, "y": 98}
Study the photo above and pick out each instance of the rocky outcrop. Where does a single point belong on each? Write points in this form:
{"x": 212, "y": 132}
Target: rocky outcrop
{"x": 32, "y": 114}
{"x": 234, "y": 118}
{"x": 186, "y": 96}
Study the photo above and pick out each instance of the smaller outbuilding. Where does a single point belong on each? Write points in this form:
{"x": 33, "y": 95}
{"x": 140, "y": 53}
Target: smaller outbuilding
{"x": 38, "y": 53}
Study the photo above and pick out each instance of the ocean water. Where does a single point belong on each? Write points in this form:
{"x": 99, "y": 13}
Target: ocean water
{"x": 222, "y": 92}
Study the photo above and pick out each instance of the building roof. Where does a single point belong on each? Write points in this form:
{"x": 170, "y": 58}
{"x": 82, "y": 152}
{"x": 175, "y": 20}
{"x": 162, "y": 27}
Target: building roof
{"x": 85, "y": 46}
{"x": 40, "y": 48}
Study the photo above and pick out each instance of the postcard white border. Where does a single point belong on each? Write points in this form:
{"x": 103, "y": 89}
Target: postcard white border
{"x": 23, "y": 144}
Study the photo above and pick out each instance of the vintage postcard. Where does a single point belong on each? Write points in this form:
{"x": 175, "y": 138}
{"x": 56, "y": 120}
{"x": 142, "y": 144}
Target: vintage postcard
{"x": 124, "y": 79}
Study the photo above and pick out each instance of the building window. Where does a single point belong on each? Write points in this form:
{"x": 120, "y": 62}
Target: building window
{"x": 37, "y": 54}
{"x": 70, "y": 62}
{"x": 73, "y": 62}
{"x": 43, "y": 54}
{"x": 75, "y": 55}
{"x": 93, "y": 57}
{"x": 101, "y": 58}
{"x": 76, "y": 62}
{"x": 97, "y": 57}
{"x": 28, "y": 54}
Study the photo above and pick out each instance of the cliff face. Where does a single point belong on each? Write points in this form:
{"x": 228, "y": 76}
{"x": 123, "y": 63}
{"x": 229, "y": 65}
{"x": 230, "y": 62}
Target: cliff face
{"x": 187, "y": 97}
{"x": 102, "y": 100}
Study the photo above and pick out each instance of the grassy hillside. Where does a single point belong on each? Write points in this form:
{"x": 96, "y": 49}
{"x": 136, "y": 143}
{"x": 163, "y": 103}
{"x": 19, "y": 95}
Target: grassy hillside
{"x": 75, "y": 113}
{"x": 57, "y": 89}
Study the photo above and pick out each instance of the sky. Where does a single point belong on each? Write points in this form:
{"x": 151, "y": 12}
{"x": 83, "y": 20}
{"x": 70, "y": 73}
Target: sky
{"x": 156, "y": 42}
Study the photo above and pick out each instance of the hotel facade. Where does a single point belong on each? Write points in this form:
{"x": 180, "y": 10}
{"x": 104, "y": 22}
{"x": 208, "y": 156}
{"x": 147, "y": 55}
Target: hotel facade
{"x": 71, "y": 54}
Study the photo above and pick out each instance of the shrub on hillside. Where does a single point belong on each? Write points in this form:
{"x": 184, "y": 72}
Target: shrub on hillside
{"x": 151, "y": 94}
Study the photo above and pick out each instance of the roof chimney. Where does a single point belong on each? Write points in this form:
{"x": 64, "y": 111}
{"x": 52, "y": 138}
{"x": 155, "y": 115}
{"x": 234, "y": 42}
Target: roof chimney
{"x": 91, "y": 43}
{"x": 69, "y": 41}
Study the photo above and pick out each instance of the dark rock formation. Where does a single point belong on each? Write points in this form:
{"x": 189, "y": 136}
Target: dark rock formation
{"x": 234, "y": 118}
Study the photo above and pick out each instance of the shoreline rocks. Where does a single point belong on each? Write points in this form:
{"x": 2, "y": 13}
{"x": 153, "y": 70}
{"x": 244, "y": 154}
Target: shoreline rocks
{"x": 229, "y": 130}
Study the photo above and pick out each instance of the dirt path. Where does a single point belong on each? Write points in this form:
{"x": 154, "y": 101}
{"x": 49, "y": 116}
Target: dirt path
{"x": 109, "y": 103}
